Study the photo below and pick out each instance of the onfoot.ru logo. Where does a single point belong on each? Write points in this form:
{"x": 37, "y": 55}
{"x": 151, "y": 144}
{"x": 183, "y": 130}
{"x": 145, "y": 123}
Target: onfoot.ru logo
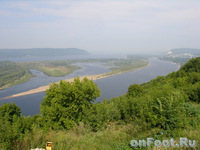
{"x": 183, "y": 142}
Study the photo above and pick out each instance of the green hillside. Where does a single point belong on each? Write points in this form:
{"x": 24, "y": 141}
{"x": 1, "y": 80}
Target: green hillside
{"x": 11, "y": 74}
{"x": 180, "y": 55}
{"x": 164, "y": 108}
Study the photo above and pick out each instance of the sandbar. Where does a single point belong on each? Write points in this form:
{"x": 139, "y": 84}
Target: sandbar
{"x": 90, "y": 77}
{"x": 44, "y": 88}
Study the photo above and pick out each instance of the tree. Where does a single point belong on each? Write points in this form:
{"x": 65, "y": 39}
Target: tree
{"x": 10, "y": 124}
{"x": 193, "y": 65}
{"x": 64, "y": 103}
{"x": 134, "y": 90}
{"x": 8, "y": 111}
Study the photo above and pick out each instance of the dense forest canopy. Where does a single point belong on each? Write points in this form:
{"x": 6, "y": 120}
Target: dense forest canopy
{"x": 168, "y": 104}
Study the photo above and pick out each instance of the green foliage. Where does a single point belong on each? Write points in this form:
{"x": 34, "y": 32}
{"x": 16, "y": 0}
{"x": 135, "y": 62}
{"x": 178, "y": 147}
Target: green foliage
{"x": 10, "y": 125}
{"x": 162, "y": 109}
{"x": 167, "y": 112}
{"x": 11, "y": 74}
{"x": 193, "y": 92}
{"x": 166, "y": 104}
{"x": 135, "y": 90}
{"x": 102, "y": 113}
{"x": 193, "y": 65}
{"x": 64, "y": 102}
{"x": 8, "y": 111}
{"x": 194, "y": 77}
{"x": 180, "y": 82}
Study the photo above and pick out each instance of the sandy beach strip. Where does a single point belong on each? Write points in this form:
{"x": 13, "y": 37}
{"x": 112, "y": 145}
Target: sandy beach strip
{"x": 90, "y": 77}
{"x": 44, "y": 88}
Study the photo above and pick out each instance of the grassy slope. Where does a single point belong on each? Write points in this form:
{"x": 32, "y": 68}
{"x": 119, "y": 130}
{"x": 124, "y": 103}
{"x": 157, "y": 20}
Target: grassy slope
{"x": 113, "y": 137}
{"x": 12, "y": 74}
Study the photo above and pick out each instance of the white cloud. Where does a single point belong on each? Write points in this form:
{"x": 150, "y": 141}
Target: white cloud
{"x": 109, "y": 11}
{"x": 113, "y": 22}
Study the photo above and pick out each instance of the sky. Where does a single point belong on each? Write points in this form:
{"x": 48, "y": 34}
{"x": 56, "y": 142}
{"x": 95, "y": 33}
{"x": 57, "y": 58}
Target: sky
{"x": 101, "y": 26}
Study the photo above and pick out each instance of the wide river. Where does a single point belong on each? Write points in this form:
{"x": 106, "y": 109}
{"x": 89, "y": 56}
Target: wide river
{"x": 112, "y": 86}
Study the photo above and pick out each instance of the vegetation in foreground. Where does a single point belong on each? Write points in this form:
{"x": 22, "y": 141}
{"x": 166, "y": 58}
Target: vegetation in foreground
{"x": 164, "y": 108}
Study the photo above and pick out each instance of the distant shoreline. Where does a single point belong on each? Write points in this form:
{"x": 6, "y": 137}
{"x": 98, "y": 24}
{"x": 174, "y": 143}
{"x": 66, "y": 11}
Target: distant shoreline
{"x": 90, "y": 77}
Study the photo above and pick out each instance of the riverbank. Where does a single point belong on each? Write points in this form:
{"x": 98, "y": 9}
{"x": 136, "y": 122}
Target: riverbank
{"x": 51, "y": 68}
{"x": 27, "y": 76}
{"x": 44, "y": 88}
{"x": 90, "y": 77}
{"x": 62, "y": 68}
{"x": 12, "y": 74}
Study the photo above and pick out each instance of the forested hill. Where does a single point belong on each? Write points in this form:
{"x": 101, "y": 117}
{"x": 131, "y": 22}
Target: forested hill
{"x": 165, "y": 108}
{"x": 186, "y": 50}
{"x": 180, "y": 55}
{"x": 5, "y": 53}
{"x": 183, "y": 52}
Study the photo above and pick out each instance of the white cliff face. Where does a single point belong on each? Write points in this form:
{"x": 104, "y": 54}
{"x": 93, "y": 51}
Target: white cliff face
{"x": 179, "y": 54}
{"x": 170, "y": 52}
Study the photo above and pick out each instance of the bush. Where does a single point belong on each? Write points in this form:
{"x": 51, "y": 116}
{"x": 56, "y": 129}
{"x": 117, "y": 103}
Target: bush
{"x": 65, "y": 102}
{"x": 135, "y": 90}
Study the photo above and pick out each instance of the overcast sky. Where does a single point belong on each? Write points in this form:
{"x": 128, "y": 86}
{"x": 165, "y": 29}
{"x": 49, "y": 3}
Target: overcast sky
{"x": 115, "y": 26}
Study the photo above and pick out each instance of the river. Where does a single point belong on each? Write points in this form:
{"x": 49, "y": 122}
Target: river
{"x": 112, "y": 86}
